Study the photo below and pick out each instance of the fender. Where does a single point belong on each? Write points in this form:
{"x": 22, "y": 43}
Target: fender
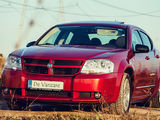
{"x": 123, "y": 66}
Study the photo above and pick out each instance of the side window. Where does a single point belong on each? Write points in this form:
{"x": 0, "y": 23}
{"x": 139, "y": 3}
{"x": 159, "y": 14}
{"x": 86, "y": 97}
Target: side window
{"x": 146, "y": 40}
{"x": 135, "y": 39}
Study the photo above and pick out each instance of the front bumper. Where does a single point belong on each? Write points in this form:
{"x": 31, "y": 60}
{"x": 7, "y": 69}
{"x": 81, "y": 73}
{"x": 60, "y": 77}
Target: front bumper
{"x": 79, "y": 88}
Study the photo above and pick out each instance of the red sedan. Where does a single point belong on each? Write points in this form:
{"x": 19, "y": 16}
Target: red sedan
{"x": 85, "y": 62}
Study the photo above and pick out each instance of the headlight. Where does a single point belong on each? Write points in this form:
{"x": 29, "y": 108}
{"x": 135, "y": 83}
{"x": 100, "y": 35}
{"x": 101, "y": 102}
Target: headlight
{"x": 13, "y": 62}
{"x": 98, "y": 66}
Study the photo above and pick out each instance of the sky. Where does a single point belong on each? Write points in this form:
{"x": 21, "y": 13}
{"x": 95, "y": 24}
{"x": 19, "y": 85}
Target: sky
{"x": 23, "y": 21}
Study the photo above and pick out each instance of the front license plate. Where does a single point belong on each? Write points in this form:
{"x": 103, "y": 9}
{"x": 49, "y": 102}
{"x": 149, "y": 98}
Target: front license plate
{"x": 45, "y": 85}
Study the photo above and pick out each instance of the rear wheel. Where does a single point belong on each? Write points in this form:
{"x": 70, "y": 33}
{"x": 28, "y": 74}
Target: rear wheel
{"x": 155, "y": 101}
{"x": 123, "y": 103}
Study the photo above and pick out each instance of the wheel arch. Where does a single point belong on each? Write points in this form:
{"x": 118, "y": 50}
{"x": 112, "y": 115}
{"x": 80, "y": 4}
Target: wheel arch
{"x": 124, "y": 69}
{"x": 130, "y": 71}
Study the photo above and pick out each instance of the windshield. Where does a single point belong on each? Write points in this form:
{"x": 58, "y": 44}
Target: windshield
{"x": 86, "y": 35}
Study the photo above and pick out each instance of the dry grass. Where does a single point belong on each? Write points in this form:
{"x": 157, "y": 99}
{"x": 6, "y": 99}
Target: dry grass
{"x": 30, "y": 115}
{"x": 134, "y": 114}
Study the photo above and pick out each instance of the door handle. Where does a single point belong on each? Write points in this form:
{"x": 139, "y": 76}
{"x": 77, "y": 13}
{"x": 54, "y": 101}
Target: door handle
{"x": 147, "y": 58}
{"x": 157, "y": 56}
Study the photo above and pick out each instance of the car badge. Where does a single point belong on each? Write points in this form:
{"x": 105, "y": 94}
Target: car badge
{"x": 49, "y": 65}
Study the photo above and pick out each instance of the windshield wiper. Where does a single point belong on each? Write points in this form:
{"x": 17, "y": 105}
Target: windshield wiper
{"x": 46, "y": 44}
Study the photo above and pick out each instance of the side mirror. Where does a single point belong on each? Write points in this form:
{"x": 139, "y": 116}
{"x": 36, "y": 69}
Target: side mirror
{"x": 30, "y": 43}
{"x": 141, "y": 48}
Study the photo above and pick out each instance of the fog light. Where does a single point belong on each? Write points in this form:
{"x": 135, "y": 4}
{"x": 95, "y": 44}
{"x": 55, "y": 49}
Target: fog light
{"x": 97, "y": 95}
{"x": 6, "y": 91}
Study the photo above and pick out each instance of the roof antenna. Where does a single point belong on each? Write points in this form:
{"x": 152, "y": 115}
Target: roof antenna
{"x": 119, "y": 21}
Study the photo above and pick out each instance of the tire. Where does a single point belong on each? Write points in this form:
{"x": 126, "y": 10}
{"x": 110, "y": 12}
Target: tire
{"x": 155, "y": 101}
{"x": 123, "y": 103}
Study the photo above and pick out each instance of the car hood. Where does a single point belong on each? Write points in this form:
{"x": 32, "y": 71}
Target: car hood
{"x": 70, "y": 52}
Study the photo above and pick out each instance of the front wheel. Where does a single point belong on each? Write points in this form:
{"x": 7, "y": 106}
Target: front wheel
{"x": 123, "y": 103}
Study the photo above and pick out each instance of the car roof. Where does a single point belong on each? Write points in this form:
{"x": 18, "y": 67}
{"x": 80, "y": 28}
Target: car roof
{"x": 101, "y": 23}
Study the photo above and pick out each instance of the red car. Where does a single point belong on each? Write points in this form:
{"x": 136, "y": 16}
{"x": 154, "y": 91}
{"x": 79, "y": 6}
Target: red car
{"x": 85, "y": 62}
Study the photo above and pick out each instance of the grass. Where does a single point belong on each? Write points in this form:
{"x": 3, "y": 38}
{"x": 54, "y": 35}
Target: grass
{"x": 134, "y": 114}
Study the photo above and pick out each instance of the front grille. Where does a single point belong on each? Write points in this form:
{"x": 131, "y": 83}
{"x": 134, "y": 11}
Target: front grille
{"x": 36, "y": 69}
{"x": 44, "y": 93}
{"x": 52, "y": 67}
{"x": 36, "y": 61}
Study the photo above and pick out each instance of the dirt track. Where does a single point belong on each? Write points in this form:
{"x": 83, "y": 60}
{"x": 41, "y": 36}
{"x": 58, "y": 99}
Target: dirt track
{"x": 134, "y": 114}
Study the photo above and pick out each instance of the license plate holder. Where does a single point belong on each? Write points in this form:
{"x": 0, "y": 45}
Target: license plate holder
{"x": 46, "y": 85}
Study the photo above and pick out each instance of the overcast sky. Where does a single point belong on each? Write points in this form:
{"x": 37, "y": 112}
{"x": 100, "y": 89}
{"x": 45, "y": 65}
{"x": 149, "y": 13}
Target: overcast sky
{"x": 23, "y": 21}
